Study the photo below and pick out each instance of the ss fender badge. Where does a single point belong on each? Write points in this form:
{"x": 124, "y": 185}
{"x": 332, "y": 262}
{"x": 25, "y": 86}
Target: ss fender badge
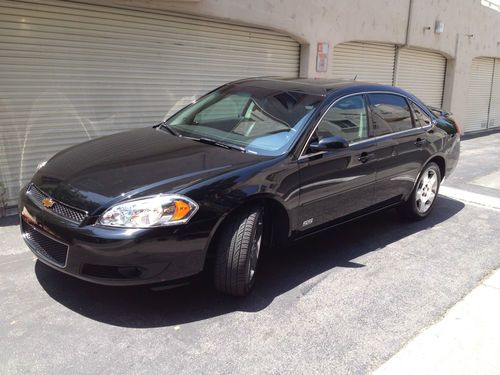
{"x": 307, "y": 222}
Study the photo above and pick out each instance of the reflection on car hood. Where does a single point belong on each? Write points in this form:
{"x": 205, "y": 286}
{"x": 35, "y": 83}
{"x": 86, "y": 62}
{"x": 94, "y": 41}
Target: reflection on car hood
{"x": 134, "y": 163}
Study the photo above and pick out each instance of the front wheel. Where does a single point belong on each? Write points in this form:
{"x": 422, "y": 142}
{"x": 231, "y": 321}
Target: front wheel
{"x": 238, "y": 249}
{"x": 423, "y": 196}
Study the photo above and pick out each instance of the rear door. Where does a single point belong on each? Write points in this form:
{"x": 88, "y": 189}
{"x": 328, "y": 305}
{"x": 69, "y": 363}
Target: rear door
{"x": 400, "y": 146}
{"x": 338, "y": 182}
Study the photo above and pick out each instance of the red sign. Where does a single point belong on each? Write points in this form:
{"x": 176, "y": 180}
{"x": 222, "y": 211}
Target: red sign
{"x": 322, "y": 57}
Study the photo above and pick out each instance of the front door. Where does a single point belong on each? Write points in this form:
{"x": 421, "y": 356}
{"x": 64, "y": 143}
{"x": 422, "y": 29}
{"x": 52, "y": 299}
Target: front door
{"x": 338, "y": 182}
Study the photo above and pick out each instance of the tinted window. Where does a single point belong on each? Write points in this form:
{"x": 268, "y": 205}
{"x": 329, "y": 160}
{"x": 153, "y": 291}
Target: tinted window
{"x": 420, "y": 116}
{"x": 390, "y": 113}
{"x": 347, "y": 118}
{"x": 226, "y": 108}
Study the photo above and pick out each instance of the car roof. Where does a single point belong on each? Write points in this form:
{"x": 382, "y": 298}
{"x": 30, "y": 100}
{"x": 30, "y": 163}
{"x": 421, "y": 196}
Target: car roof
{"x": 317, "y": 86}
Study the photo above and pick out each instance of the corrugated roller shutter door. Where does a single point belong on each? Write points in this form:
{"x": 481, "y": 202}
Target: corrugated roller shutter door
{"x": 494, "y": 118}
{"x": 370, "y": 62}
{"x": 478, "y": 96}
{"x": 71, "y": 72}
{"x": 422, "y": 73}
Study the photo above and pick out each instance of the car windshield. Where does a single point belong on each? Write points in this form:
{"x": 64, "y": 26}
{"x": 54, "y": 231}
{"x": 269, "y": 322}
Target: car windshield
{"x": 248, "y": 117}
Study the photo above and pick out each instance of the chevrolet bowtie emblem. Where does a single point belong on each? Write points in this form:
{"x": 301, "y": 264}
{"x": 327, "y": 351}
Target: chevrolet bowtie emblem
{"x": 47, "y": 202}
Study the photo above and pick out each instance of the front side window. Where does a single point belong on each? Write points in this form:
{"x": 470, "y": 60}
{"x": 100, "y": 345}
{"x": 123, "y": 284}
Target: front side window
{"x": 421, "y": 117}
{"x": 260, "y": 119}
{"x": 346, "y": 118}
{"x": 390, "y": 113}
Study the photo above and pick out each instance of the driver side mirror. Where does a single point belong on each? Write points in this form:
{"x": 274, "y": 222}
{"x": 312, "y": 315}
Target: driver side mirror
{"x": 329, "y": 143}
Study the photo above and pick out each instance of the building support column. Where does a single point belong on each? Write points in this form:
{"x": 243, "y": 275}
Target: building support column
{"x": 308, "y": 56}
{"x": 457, "y": 79}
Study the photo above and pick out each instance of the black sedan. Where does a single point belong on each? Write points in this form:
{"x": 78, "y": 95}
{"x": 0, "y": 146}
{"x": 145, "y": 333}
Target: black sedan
{"x": 251, "y": 165}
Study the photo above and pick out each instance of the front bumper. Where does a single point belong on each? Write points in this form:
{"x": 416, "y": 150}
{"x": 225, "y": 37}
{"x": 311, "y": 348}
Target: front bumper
{"x": 114, "y": 256}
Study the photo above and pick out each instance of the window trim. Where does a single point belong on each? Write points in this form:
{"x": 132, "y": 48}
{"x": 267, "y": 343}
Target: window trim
{"x": 303, "y": 153}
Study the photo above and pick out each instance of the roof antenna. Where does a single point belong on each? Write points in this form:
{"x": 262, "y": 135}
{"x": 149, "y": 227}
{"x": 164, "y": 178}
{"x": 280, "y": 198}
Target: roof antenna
{"x": 356, "y": 76}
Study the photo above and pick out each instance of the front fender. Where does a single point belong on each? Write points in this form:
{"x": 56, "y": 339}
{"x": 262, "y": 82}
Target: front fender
{"x": 269, "y": 201}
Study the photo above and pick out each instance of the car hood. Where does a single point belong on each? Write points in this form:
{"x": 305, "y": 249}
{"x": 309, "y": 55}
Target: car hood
{"x": 133, "y": 164}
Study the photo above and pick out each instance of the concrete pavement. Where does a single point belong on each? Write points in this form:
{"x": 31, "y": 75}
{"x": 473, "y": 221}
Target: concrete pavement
{"x": 466, "y": 341}
{"x": 343, "y": 302}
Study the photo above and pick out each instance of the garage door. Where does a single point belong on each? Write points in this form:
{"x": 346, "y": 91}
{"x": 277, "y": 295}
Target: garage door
{"x": 494, "y": 115}
{"x": 479, "y": 94}
{"x": 370, "y": 62}
{"x": 422, "y": 73}
{"x": 71, "y": 72}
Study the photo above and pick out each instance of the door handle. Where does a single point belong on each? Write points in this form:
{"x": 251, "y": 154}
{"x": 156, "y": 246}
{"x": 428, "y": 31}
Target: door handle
{"x": 420, "y": 142}
{"x": 365, "y": 156}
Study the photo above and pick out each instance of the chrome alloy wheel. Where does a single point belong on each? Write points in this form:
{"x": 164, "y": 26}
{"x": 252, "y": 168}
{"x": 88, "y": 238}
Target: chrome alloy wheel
{"x": 426, "y": 190}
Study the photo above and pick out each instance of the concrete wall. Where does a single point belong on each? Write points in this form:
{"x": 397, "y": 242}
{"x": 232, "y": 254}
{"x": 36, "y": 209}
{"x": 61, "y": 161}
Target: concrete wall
{"x": 471, "y": 30}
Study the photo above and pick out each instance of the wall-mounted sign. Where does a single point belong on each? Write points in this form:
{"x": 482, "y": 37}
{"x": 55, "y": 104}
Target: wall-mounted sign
{"x": 322, "y": 57}
{"x": 439, "y": 27}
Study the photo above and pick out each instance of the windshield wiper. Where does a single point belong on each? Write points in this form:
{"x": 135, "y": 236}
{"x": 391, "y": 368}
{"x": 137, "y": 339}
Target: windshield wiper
{"x": 164, "y": 125}
{"x": 213, "y": 142}
{"x": 208, "y": 141}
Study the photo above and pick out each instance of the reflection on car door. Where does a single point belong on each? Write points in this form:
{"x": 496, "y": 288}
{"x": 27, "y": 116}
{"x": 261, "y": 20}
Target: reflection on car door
{"x": 400, "y": 141}
{"x": 339, "y": 182}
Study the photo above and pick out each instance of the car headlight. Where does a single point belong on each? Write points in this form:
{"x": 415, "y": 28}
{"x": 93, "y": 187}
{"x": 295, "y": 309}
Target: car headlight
{"x": 160, "y": 210}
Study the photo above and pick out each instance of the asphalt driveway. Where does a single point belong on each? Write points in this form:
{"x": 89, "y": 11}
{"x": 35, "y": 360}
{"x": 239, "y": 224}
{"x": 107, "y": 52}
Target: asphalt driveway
{"x": 340, "y": 302}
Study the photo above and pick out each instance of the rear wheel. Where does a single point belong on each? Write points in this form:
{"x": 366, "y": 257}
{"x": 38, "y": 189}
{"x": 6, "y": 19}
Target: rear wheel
{"x": 238, "y": 248}
{"x": 424, "y": 195}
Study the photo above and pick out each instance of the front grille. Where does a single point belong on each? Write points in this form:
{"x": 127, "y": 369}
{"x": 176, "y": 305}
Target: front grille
{"x": 58, "y": 208}
{"x": 45, "y": 247}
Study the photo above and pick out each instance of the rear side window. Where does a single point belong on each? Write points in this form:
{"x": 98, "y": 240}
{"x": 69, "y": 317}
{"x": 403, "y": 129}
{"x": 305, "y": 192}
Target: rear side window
{"x": 420, "y": 116}
{"x": 390, "y": 113}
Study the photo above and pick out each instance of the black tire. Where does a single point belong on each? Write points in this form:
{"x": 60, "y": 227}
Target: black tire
{"x": 237, "y": 252}
{"x": 416, "y": 207}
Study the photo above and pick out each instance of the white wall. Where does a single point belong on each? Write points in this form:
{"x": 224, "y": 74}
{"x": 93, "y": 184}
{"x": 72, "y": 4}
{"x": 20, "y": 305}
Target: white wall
{"x": 471, "y": 30}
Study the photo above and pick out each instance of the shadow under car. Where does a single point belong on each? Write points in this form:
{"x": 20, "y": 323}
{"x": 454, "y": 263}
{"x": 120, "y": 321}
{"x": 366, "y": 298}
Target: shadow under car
{"x": 141, "y": 307}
